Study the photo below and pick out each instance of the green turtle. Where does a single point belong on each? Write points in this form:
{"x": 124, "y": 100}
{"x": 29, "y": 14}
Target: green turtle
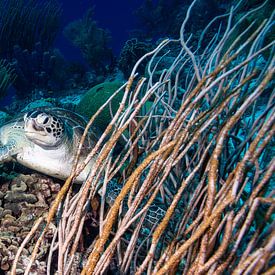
{"x": 46, "y": 140}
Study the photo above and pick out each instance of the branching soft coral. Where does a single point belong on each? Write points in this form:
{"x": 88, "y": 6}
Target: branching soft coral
{"x": 92, "y": 41}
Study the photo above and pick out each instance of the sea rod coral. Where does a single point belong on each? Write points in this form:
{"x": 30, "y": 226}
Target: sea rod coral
{"x": 203, "y": 151}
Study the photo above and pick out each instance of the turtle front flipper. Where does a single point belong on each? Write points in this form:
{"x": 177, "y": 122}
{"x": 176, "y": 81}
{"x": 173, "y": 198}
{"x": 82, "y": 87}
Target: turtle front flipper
{"x": 8, "y": 150}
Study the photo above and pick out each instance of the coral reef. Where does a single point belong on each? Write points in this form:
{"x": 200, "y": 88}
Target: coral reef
{"x": 37, "y": 70}
{"x": 92, "y": 41}
{"x": 23, "y": 199}
{"x": 27, "y": 32}
{"x": 198, "y": 132}
{"x": 257, "y": 17}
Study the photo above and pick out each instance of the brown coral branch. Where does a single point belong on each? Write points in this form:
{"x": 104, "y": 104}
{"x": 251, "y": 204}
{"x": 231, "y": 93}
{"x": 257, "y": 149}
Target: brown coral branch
{"x": 99, "y": 246}
{"x": 175, "y": 258}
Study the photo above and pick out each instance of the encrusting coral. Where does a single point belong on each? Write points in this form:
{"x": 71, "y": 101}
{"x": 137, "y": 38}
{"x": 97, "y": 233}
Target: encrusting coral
{"x": 23, "y": 200}
{"x": 95, "y": 97}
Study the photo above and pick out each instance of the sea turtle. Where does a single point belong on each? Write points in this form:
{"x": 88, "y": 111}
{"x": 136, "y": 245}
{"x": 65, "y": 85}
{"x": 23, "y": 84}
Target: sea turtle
{"x": 46, "y": 140}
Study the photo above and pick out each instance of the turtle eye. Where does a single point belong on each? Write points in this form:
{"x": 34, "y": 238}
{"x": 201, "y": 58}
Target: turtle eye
{"x": 46, "y": 120}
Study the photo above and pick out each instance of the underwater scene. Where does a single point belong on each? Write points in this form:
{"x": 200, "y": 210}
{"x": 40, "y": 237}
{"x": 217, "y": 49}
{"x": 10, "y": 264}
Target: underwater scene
{"x": 137, "y": 137}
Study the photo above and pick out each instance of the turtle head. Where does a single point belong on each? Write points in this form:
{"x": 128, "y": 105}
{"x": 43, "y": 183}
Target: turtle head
{"x": 44, "y": 128}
